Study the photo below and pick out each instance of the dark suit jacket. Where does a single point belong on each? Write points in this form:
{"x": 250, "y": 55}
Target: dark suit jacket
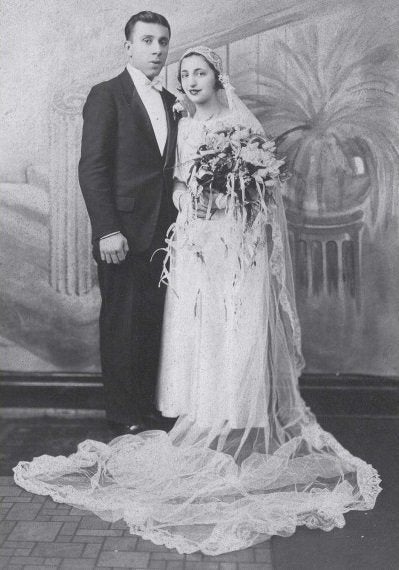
{"x": 121, "y": 171}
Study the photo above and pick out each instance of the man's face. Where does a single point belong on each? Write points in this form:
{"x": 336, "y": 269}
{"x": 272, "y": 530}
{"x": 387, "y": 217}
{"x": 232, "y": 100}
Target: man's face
{"x": 148, "y": 48}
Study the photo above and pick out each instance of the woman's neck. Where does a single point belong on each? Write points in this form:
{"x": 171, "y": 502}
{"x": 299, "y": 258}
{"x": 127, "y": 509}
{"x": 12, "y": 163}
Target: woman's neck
{"x": 208, "y": 110}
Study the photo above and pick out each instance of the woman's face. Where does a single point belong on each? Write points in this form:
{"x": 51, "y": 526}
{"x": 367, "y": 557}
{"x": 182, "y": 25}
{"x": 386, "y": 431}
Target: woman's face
{"x": 197, "y": 79}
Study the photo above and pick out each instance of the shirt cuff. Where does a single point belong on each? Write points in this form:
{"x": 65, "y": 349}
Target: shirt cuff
{"x": 109, "y": 235}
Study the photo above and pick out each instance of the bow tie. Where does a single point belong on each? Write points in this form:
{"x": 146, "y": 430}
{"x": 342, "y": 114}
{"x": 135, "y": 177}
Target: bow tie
{"x": 156, "y": 83}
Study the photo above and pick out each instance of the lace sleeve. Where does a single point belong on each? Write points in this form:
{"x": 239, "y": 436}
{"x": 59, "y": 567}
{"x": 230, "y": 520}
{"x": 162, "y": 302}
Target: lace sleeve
{"x": 178, "y": 173}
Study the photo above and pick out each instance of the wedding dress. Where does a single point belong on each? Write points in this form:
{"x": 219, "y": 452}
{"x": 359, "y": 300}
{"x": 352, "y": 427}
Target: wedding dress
{"x": 218, "y": 337}
{"x": 246, "y": 458}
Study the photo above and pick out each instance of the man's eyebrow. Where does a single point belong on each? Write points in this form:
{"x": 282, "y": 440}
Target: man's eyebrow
{"x": 152, "y": 36}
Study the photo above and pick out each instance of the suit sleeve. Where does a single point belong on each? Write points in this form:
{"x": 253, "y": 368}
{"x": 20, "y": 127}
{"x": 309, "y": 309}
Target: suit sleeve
{"x": 96, "y": 162}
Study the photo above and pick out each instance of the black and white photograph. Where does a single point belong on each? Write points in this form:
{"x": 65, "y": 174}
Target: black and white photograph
{"x": 199, "y": 302}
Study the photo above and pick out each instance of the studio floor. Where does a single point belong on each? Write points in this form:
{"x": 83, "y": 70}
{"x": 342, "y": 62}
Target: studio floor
{"x": 37, "y": 533}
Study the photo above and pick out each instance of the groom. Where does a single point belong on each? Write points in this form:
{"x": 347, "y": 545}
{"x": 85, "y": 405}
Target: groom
{"x": 126, "y": 173}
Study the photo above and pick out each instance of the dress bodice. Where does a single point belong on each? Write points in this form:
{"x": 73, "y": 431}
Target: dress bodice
{"x": 190, "y": 135}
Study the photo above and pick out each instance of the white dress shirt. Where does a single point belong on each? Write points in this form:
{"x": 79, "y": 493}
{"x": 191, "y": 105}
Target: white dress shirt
{"x": 152, "y": 100}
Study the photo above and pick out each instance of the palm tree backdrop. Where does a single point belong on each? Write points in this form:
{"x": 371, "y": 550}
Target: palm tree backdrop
{"x": 332, "y": 105}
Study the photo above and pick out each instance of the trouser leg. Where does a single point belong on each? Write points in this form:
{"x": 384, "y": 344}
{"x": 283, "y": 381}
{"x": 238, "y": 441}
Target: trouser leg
{"x": 153, "y": 299}
{"x": 119, "y": 340}
{"x": 130, "y": 333}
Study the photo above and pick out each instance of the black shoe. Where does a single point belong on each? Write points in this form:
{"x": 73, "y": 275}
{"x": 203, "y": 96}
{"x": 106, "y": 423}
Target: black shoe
{"x": 158, "y": 421}
{"x": 136, "y": 428}
{"x": 118, "y": 429}
{"x": 153, "y": 420}
{"x": 169, "y": 423}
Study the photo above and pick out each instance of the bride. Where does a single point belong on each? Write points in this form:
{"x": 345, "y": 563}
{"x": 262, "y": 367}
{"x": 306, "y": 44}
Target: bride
{"x": 246, "y": 458}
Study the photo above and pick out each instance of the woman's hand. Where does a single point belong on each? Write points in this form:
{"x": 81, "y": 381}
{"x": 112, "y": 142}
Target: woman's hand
{"x": 181, "y": 195}
{"x": 206, "y": 204}
{"x": 184, "y": 201}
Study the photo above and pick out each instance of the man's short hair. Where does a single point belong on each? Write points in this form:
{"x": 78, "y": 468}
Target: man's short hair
{"x": 147, "y": 17}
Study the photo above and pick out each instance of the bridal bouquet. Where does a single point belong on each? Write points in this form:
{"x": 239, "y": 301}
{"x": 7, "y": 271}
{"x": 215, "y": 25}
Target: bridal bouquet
{"x": 240, "y": 167}
{"x": 238, "y": 164}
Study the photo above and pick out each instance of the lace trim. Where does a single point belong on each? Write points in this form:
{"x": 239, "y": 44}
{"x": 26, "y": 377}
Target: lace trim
{"x": 324, "y": 508}
{"x": 368, "y": 478}
{"x": 277, "y": 268}
{"x": 262, "y": 514}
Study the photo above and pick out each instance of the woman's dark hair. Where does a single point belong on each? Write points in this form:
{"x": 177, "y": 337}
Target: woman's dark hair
{"x": 218, "y": 83}
{"x": 148, "y": 18}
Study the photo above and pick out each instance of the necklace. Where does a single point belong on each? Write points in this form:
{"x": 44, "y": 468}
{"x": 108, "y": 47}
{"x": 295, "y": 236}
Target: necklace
{"x": 211, "y": 116}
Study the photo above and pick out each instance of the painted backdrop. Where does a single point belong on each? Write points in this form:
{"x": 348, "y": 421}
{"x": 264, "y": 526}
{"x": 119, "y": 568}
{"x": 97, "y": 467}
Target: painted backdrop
{"x": 324, "y": 82}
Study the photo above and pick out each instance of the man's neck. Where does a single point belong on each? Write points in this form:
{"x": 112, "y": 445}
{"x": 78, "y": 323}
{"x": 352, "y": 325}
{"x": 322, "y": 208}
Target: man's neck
{"x": 135, "y": 69}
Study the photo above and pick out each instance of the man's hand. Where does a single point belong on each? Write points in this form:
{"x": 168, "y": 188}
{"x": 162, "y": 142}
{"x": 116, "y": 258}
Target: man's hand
{"x": 113, "y": 249}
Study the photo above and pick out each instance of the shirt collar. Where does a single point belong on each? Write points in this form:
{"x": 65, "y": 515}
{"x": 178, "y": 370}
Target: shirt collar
{"x": 140, "y": 79}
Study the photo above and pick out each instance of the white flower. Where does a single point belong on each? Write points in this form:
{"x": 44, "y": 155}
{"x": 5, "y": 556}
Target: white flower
{"x": 269, "y": 145}
{"x": 224, "y": 79}
{"x": 255, "y": 155}
{"x": 178, "y": 108}
{"x": 245, "y": 133}
{"x": 216, "y": 140}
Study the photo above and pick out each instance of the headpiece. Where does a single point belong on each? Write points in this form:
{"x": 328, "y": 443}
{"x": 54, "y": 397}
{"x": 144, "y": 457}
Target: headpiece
{"x": 208, "y": 54}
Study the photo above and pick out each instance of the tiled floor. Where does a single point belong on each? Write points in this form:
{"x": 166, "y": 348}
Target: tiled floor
{"x": 36, "y": 533}
{"x": 369, "y": 539}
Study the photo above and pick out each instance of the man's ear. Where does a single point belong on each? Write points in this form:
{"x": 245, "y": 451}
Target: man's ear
{"x": 128, "y": 47}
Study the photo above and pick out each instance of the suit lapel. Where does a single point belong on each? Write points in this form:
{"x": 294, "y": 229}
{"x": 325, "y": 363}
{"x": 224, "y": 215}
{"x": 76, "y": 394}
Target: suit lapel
{"x": 171, "y": 122}
{"x": 138, "y": 109}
